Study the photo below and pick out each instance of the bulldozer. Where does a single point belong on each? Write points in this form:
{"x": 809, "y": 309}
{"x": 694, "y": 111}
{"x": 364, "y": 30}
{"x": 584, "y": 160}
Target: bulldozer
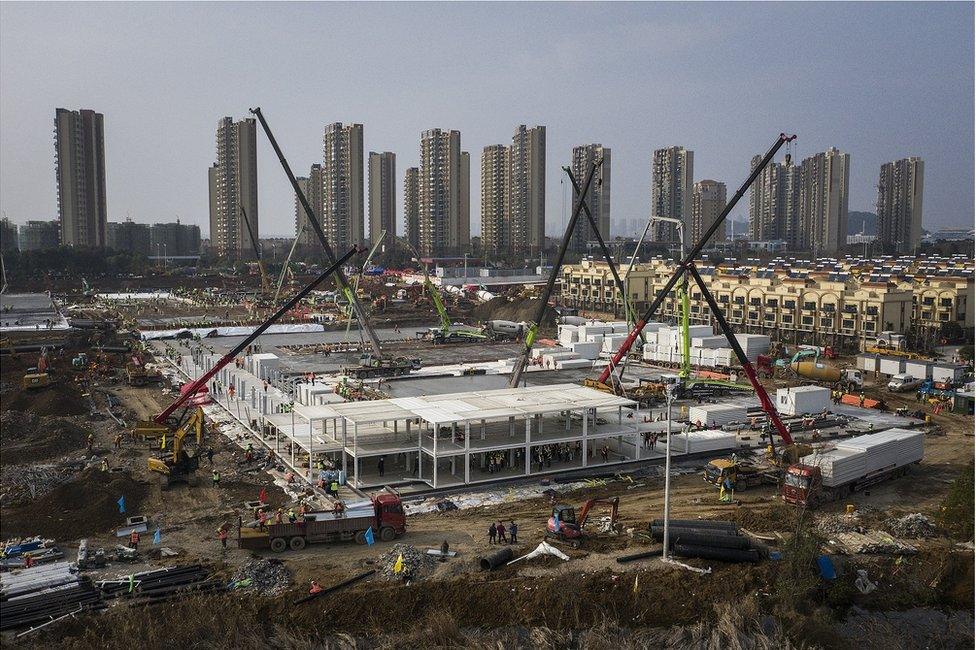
{"x": 565, "y": 526}
{"x": 176, "y": 464}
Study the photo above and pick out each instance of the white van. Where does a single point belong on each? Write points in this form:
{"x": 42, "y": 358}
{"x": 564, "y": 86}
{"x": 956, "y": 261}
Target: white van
{"x": 903, "y": 382}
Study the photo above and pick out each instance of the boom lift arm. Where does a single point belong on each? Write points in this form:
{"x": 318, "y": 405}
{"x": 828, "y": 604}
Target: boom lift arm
{"x": 227, "y": 358}
{"x": 257, "y": 250}
{"x": 341, "y": 280}
{"x": 523, "y": 359}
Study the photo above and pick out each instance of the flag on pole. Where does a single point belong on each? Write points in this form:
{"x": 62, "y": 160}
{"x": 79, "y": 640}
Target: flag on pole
{"x": 263, "y": 496}
{"x": 370, "y": 540}
{"x": 157, "y": 536}
{"x": 121, "y": 503}
{"x": 398, "y": 566}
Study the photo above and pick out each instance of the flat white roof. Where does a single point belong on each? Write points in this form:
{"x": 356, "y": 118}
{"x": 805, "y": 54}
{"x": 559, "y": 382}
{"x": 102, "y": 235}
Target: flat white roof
{"x": 482, "y": 405}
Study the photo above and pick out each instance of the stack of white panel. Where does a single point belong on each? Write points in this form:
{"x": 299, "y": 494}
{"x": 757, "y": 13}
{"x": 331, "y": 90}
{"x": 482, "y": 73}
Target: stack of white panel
{"x": 709, "y": 341}
{"x": 593, "y": 338}
{"x": 863, "y": 455}
{"x": 703, "y": 357}
{"x": 702, "y": 441}
{"x": 593, "y": 328}
{"x": 716, "y": 415}
{"x": 619, "y": 327}
{"x": 260, "y": 365}
{"x": 586, "y": 350}
{"x": 538, "y": 352}
{"x": 565, "y": 364}
{"x": 753, "y": 345}
{"x": 724, "y": 358}
{"x": 611, "y": 342}
{"x": 568, "y": 334}
{"x": 650, "y": 351}
{"x": 549, "y": 360}
{"x": 802, "y": 399}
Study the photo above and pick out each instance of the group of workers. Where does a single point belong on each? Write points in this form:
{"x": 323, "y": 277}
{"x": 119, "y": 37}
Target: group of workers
{"x": 496, "y": 532}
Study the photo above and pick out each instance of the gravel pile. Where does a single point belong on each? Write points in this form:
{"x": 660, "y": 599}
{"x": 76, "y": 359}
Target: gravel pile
{"x": 416, "y": 563}
{"x": 269, "y": 577}
{"x": 831, "y": 524}
{"x": 913, "y": 526}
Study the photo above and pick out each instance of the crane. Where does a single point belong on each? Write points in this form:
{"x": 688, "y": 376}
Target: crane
{"x": 340, "y": 276}
{"x": 265, "y": 288}
{"x": 523, "y": 360}
{"x": 682, "y": 298}
{"x": 359, "y": 275}
{"x": 687, "y": 265}
{"x": 227, "y": 358}
{"x": 284, "y": 267}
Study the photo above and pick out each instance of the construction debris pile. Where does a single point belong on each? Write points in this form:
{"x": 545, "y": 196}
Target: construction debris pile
{"x": 16, "y": 553}
{"x": 21, "y": 484}
{"x": 404, "y": 562}
{"x": 913, "y": 526}
{"x": 267, "y": 577}
{"x": 842, "y": 523}
{"x": 871, "y": 542}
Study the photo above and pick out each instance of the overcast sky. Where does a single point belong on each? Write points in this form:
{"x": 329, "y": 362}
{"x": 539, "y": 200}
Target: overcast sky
{"x": 879, "y": 81}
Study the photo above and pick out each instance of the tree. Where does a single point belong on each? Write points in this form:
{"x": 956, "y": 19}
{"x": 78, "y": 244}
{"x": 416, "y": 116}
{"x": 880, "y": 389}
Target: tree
{"x": 966, "y": 353}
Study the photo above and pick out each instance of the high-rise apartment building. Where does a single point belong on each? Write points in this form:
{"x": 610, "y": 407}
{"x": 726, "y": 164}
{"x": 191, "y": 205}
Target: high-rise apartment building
{"x": 707, "y": 202}
{"x": 342, "y": 185}
{"x": 598, "y": 197}
{"x": 311, "y": 187}
{"x": 411, "y": 206}
{"x": 129, "y": 236}
{"x": 672, "y": 178}
{"x": 774, "y": 203}
{"x": 9, "y": 241}
{"x": 444, "y": 204}
{"x": 526, "y": 220}
{"x": 823, "y": 201}
{"x": 382, "y": 195}
{"x": 494, "y": 199}
{"x": 900, "y": 204}
{"x": 175, "y": 239}
{"x": 233, "y": 181}
{"x": 79, "y": 148}
{"x": 40, "y": 235}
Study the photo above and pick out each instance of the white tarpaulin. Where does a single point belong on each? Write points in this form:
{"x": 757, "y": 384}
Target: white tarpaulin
{"x": 545, "y": 548}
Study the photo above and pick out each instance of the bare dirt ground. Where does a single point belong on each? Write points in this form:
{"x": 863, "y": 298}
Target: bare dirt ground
{"x": 590, "y": 601}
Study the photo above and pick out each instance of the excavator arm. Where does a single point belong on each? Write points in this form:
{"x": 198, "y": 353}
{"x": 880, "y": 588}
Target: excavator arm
{"x": 612, "y": 503}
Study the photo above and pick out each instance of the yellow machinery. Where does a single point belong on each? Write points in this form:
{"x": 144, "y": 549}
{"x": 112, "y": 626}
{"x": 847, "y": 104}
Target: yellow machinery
{"x": 177, "y": 465}
{"x": 34, "y": 381}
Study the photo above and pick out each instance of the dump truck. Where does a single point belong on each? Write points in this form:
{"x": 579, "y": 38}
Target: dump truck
{"x": 852, "y": 465}
{"x": 744, "y": 474}
{"x": 384, "y": 515}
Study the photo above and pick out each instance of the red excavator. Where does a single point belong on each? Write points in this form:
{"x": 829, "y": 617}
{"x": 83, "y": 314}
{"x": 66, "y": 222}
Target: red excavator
{"x": 564, "y": 526}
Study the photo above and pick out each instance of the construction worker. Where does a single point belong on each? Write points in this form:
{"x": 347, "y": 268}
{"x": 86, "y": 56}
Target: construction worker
{"x": 861, "y": 400}
{"x": 118, "y": 441}
{"x": 210, "y": 455}
{"x": 222, "y": 536}
{"x": 315, "y": 588}
{"x": 726, "y": 491}
{"x": 215, "y": 478}
{"x": 492, "y": 533}
{"x": 90, "y": 441}
{"x": 339, "y": 509}
{"x": 134, "y": 540}
{"x": 279, "y": 516}
{"x": 334, "y": 488}
{"x": 291, "y": 516}
{"x": 512, "y": 532}
{"x": 262, "y": 519}
{"x": 230, "y": 391}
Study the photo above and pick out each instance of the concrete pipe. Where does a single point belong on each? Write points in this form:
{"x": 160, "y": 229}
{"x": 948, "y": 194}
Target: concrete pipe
{"x": 499, "y": 558}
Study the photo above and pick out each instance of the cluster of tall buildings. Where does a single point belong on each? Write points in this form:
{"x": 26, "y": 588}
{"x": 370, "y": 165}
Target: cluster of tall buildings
{"x": 800, "y": 207}
{"x": 806, "y": 205}
{"x": 513, "y": 194}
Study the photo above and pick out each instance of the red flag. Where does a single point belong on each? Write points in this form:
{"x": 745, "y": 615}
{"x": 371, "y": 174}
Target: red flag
{"x": 263, "y": 497}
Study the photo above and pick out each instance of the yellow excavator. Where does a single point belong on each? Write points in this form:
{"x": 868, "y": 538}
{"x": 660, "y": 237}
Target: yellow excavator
{"x": 176, "y": 464}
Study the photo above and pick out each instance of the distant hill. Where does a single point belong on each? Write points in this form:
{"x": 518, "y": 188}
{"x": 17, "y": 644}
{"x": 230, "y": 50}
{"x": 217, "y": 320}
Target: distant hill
{"x": 856, "y": 219}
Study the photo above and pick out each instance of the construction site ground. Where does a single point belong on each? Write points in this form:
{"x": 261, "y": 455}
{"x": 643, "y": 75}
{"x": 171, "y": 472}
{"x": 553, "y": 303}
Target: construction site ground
{"x": 53, "y": 487}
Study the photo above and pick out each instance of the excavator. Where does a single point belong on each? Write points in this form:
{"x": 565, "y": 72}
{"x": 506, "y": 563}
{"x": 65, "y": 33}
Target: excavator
{"x": 565, "y": 526}
{"x": 177, "y": 465}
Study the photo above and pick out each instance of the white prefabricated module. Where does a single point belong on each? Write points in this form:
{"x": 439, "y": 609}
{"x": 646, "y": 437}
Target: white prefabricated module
{"x": 568, "y": 334}
{"x": 919, "y": 369}
{"x": 948, "y": 372}
{"x": 716, "y": 415}
{"x": 868, "y": 362}
{"x": 753, "y": 344}
{"x": 891, "y": 365}
{"x": 586, "y": 350}
{"x": 611, "y": 342}
{"x": 593, "y": 328}
{"x": 724, "y": 358}
{"x": 860, "y": 457}
{"x": 709, "y": 341}
{"x": 593, "y": 338}
{"x": 701, "y": 441}
{"x": 261, "y": 365}
{"x": 619, "y": 327}
{"x": 650, "y": 349}
{"x": 538, "y": 352}
{"x": 550, "y": 360}
{"x": 802, "y": 399}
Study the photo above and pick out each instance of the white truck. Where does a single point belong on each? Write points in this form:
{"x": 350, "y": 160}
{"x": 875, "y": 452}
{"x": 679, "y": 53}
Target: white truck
{"x": 903, "y": 382}
{"x": 852, "y": 465}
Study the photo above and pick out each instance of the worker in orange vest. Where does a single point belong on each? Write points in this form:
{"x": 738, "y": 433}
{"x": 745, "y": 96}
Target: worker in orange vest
{"x": 134, "y": 540}
{"x": 315, "y": 588}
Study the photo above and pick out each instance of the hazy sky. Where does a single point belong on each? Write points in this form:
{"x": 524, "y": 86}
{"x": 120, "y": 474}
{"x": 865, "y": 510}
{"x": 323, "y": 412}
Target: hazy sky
{"x": 879, "y": 81}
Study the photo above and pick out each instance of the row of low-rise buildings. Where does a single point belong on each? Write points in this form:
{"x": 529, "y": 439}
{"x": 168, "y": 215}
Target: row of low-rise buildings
{"x": 156, "y": 240}
{"x": 845, "y": 302}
